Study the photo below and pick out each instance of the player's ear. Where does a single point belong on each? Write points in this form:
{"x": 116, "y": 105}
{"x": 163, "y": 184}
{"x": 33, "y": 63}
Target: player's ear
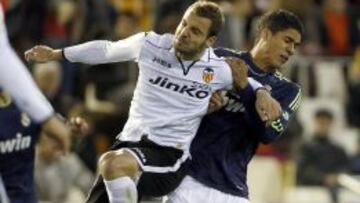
{"x": 211, "y": 41}
{"x": 266, "y": 34}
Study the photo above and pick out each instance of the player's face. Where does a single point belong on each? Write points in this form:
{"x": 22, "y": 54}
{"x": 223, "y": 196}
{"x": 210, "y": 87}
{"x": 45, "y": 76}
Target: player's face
{"x": 191, "y": 36}
{"x": 281, "y": 46}
{"x": 48, "y": 149}
{"x": 323, "y": 125}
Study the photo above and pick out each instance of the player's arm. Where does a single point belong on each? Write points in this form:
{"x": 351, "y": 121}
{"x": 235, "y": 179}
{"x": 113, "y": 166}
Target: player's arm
{"x": 267, "y": 108}
{"x": 16, "y": 79}
{"x": 289, "y": 99}
{"x": 93, "y": 52}
{"x": 239, "y": 75}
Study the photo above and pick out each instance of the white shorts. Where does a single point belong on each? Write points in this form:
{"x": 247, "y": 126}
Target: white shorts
{"x": 192, "y": 191}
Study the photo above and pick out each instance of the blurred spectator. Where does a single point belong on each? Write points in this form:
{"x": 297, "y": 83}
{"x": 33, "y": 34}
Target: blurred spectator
{"x": 260, "y": 7}
{"x": 140, "y": 8}
{"x": 4, "y": 3}
{"x": 169, "y": 14}
{"x": 234, "y": 35}
{"x": 48, "y": 77}
{"x": 64, "y": 22}
{"x": 353, "y": 102}
{"x": 125, "y": 25}
{"x": 264, "y": 6}
{"x": 24, "y": 33}
{"x": 337, "y": 27}
{"x": 320, "y": 161}
{"x": 56, "y": 176}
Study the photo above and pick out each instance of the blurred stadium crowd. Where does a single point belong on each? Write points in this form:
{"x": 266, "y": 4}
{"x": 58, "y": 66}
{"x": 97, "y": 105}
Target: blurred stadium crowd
{"x": 322, "y": 143}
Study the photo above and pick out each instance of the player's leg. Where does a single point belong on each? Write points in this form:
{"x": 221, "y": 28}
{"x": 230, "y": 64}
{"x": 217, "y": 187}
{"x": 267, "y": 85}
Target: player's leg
{"x": 162, "y": 169}
{"x": 119, "y": 169}
{"x": 153, "y": 184}
{"x": 97, "y": 193}
{"x": 192, "y": 191}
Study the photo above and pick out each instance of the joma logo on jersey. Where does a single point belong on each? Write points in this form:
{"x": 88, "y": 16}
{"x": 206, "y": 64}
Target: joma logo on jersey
{"x": 16, "y": 144}
{"x": 161, "y": 62}
{"x": 192, "y": 91}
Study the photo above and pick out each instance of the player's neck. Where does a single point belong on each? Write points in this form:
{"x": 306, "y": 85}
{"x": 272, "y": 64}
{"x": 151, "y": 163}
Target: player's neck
{"x": 189, "y": 56}
{"x": 260, "y": 59}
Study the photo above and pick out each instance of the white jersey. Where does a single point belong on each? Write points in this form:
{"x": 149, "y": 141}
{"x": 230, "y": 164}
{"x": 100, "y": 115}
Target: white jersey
{"x": 171, "y": 95}
{"x": 16, "y": 79}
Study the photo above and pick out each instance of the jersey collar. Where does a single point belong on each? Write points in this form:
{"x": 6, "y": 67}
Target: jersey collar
{"x": 205, "y": 57}
{"x": 253, "y": 67}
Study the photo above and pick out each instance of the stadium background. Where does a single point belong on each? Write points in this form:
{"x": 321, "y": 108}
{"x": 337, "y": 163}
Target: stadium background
{"x": 327, "y": 66}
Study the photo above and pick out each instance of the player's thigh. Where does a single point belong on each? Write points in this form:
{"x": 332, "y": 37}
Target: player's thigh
{"x": 192, "y": 191}
{"x": 189, "y": 191}
{"x": 162, "y": 172}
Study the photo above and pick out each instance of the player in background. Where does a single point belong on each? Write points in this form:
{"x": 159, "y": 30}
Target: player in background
{"x": 228, "y": 138}
{"x": 16, "y": 80}
{"x": 18, "y": 137}
{"x": 177, "y": 75}
{"x": 20, "y": 124}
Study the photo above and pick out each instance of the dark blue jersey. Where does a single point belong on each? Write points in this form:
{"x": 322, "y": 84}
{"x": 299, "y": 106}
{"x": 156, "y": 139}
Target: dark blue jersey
{"x": 227, "y": 139}
{"x": 17, "y": 145}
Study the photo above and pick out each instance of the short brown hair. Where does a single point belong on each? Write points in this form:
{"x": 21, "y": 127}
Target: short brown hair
{"x": 211, "y": 11}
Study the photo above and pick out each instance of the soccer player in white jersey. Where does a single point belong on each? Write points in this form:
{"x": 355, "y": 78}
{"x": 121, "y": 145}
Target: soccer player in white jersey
{"x": 177, "y": 75}
{"x": 15, "y": 79}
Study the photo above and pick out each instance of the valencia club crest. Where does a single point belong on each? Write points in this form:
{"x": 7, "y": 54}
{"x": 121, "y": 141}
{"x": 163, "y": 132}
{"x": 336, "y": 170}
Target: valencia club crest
{"x": 208, "y": 75}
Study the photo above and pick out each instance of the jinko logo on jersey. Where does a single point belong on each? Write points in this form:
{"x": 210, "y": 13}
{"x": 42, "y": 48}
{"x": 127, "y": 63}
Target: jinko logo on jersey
{"x": 208, "y": 75}
{"x": 195, "y": 90}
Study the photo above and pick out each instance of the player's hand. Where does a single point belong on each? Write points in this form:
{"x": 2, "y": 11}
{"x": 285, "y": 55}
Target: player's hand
{"x": 78, "y": 126}
{"x": 56, "y": 128}
{"x": 42, "y": 53}
{"x": 216, "y": 102}
{"x": 267, "y": 107}
{"x": 239, "y": 72}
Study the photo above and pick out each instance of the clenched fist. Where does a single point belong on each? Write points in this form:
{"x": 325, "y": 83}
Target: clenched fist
{"x": 267, "y": 107}
{"x": 239, "y": 72}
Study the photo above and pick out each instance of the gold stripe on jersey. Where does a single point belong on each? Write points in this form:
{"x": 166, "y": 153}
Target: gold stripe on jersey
{"x": 5, "y": 99}
{"x": 280, "y": 76}
{"x": 294, "y": 105}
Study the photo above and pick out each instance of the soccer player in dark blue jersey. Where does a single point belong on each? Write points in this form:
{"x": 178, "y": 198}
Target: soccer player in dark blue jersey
{"x": 18, "y": 136}
{"x": 18, "y": 131}
{"x": 228, "y": 138}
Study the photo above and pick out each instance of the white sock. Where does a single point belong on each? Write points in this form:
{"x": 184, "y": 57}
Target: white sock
{"x": 121, "y": 190}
